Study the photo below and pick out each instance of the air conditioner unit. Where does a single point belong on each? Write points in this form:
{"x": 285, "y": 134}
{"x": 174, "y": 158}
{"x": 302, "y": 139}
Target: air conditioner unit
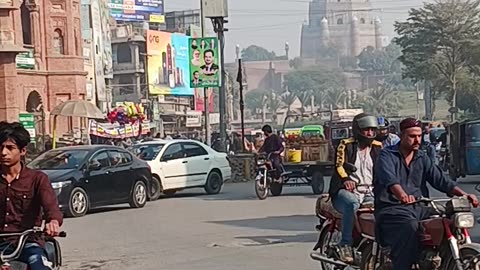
{"x": 215, "y": 8}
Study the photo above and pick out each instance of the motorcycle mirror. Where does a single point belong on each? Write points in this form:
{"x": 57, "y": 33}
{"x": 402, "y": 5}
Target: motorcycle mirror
{"x": 477, "y": 187}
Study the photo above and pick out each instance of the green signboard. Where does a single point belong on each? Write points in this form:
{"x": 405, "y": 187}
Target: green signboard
{"x": 28, "y": 122}
{"x": 204, "y": 59}
{"x": 26, "y": 60}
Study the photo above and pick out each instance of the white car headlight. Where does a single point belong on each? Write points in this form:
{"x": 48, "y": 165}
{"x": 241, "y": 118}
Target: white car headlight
{"x": 58, "y": 185}
{"x": 464, "y": 220}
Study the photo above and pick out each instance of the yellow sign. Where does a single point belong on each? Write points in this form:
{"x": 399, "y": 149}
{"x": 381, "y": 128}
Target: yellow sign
{"x": 157, "y": 18}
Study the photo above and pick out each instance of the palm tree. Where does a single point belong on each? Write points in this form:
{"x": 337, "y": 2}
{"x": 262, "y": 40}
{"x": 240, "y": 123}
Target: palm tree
{"x": 255, "y": 100}
{"x": 383, "y": 100}
{"x": 304, "y": 97}
{"x": 273, "y": 103}
{"x": 288, "y": 98}
{"x": 336, "y": 97}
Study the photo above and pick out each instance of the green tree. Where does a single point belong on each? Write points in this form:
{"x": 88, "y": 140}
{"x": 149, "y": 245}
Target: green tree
{"x": 336, "y": 97}
{"x": 436, "y": 41}
{"x": 257, "y": 53}
{"x": 383, "y": 100}
{"x": 255, "y": 100}
{"x": 288, "y": 98}
{"x": 274, "y": 103}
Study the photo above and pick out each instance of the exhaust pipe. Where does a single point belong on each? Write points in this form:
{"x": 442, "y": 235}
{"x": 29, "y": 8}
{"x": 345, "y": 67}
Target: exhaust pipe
{"x": 319, "y": 257}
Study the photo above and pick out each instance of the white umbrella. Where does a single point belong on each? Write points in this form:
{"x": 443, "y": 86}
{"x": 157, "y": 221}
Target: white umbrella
{"x": 74, "y": 108}
{"x": 78, "y": 108}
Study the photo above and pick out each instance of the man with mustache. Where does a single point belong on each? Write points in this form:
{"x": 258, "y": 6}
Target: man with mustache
{"x": 401, "y": 173}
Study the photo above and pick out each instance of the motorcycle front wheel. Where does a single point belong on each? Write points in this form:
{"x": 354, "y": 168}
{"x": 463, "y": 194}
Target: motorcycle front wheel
{"x": 469, "y": 256}
{"x": 260, "y": 189}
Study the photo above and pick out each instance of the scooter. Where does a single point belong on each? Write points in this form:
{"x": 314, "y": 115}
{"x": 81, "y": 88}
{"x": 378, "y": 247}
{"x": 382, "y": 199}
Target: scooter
{"x": 52, "y": 248}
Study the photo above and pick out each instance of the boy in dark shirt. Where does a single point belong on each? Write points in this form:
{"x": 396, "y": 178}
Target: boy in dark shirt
{"x": 273, "y": 146}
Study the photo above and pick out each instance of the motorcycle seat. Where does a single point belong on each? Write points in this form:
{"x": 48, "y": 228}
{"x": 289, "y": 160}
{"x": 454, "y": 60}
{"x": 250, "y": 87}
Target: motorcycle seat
{"x": 324, "y": 207}
{"x": 367, "y": 224}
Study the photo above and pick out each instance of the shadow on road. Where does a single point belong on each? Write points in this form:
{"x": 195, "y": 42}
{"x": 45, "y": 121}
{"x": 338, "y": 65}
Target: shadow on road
{"x": 279, "y": 239}
{"x": 106, "y": 209}
{"x": 281, "y": 223}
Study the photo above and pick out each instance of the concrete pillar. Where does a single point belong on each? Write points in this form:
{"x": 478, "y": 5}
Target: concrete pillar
{"x": 324, "y": 33}
{"x": 378, "y": 33}
{"x": 355, "y": 37}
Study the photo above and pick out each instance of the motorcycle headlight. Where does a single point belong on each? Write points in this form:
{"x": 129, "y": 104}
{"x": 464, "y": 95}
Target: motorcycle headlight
{"x": 464, "y": 220}
{"x": 260, "y": 162}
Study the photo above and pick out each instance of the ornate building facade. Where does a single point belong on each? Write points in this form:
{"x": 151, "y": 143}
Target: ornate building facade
{"x": 46, "y": 35}
{"x": 346, "y": 25}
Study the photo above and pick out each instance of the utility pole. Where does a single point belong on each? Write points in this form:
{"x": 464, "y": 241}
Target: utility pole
{"x": 219, "y": 27}
{"x": 206, "y": 100}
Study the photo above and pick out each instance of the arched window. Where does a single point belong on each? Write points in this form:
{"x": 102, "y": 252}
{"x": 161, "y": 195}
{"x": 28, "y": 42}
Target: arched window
{"x": 26, "y": 24}
{"x": 340, "y": 21}
{"x": 362, "y": 20}
{"x": 124, "y": 53}
{"x": 58, "y": 41}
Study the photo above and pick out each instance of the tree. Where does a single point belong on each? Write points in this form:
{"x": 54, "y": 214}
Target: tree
{"x": 273, "y": 104}
{"x": 257, "y": 53}
{"x": 255, "y": 100}
{"x": 436, "y": 40}
{"x": 381, "y": 60}
{"x": 288, "y": 98}
{"x": 383, "y": 100}
{"x": 336, "y": 97}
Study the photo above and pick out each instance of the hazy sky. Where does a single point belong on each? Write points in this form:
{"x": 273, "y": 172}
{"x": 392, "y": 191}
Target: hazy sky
{"x": 270, "y": 23}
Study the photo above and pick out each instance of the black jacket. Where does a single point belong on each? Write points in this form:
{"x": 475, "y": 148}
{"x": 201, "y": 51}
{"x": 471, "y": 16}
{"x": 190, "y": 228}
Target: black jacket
{"x": 347, "y": 153}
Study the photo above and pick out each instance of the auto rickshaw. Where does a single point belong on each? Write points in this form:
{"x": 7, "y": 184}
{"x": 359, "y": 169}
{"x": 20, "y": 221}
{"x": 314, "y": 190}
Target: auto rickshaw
{"x": 464, "y": 149}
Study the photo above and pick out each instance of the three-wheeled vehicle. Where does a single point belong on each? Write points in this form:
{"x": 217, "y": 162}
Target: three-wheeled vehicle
{"x": 464, "y": 149}
{"x": 315, "y": 153}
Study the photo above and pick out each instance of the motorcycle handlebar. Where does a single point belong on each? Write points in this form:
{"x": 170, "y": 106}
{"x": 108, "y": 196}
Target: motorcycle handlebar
{"x": 22, "y": 239}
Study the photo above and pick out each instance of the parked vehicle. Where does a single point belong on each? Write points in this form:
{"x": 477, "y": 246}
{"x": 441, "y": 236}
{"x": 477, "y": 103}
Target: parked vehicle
{"x": 85, "y": 177}
{"x": 329, "y": 226}
{"x": 181, "y": 164}
{"x": 464, "y": 149}
{"x": 9, "y": 256}
{"x": 445, "y": 241}
{"x": 264, "y": 181}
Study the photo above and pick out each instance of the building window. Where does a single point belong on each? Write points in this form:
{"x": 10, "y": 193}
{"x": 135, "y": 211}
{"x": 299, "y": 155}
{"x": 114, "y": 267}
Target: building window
{"x": 126, "y": 85}
{"x": 362, "y": 20}
{"x": 124, "y": 53}
{"x": 26, "y": 24}
{"x": 340, "y": 21}
{"x": 58, "y": 41}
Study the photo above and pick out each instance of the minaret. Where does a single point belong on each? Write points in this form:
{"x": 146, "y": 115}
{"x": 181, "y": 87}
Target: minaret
{"x": 378, "y": 33}
{"x": 324, "y": 33}
{"x": 355, "y": 37}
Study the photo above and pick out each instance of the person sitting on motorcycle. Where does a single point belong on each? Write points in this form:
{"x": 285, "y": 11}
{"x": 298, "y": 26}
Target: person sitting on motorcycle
{"x": 360, "y": 150}
{"x": 384, "y": 134}
{"x": 401, "y": 173}
{"x": 273, "y": 146}
{"x": 27, "y": 196}
{"x": 428, "y": 142}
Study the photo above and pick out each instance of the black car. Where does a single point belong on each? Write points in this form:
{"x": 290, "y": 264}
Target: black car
{"x": 85, "y": 177}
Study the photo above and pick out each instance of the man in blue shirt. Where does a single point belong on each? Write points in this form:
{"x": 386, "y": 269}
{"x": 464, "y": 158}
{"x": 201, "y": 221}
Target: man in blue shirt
{"x": 401, "y": 173}
{"x": 384, "y": 135}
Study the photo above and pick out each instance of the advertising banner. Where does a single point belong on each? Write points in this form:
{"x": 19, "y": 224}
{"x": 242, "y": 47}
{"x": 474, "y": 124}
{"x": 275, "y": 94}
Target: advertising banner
{"x": 117, "y": 131}
{"x": 200, "y": 99}
{"x": 28, "y": 122}
{"x": 204, "y": 62}
{"x": 168, "y": 64}
{"x": 97, "y": 31}
{"x": 25, "y": 60}
{"x": 138, "y": 10}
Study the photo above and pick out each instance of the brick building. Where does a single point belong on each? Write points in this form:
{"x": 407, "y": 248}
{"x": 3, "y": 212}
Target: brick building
{"x": 51, "y": 32}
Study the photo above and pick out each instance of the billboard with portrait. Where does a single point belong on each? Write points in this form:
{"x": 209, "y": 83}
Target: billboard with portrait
{"x": 167, "y": 62}
{"x": 204, "y": 62}
{"x": 137, "y": 10}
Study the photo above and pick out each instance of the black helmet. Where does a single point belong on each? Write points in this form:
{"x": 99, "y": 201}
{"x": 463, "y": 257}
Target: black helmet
{"x": 383, "y": 124}
{"x": 364, "y": 121}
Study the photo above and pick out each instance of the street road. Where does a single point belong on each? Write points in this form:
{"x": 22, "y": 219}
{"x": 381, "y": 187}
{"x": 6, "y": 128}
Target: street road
{"x": 232, "y": 230}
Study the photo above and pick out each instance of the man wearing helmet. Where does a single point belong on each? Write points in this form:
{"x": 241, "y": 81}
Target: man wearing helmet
{"x": 384, "y": 136}
{"x": 360, "y": 150}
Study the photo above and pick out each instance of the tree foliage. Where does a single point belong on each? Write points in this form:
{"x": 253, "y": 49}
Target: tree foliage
{"x": 382, "y": 60}
{"x": 257, "y": 53}
{"x": 437, "y": 39}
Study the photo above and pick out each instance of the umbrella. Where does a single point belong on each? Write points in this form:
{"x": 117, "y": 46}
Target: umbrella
{"x": 78, "y": 108}
{"x": 75, "y": 108}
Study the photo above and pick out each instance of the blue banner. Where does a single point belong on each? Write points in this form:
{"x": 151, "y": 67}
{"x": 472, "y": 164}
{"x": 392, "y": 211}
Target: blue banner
{"x": 137, "y": 10}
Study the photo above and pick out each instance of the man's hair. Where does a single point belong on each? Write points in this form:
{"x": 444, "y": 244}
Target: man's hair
{"x": 267, "y": 129}
{"x": 16, "y": 132}
{"x": 209, "y": 50}
{"x": 195, "y": 72}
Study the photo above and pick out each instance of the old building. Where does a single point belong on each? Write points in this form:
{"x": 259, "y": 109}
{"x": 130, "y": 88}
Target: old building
{"x": 50, "y": 68}
{"x": 349, "y": 26}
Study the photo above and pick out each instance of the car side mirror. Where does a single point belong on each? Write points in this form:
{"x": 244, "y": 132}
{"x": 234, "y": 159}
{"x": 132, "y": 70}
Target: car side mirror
{"x": 94, "y": 166}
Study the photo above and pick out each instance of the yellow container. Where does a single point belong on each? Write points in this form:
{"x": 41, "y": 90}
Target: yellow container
{"x": 294, "y": 155}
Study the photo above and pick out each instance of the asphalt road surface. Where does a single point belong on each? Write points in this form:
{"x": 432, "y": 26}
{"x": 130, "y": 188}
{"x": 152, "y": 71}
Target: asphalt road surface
{"x": 232, "y": 230}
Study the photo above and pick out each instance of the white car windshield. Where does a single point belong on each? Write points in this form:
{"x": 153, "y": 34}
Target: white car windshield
{"x": 147, "y": 151}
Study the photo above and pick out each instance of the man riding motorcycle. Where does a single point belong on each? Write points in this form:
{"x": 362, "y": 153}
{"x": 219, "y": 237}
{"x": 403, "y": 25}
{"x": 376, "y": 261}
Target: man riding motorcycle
{"x": 400, "y": 177}
{"x": 27, "y": 196}
{"x": 384, "y": 136}
{"x": 360, "y": 150}
{"x": 273, "y": 147}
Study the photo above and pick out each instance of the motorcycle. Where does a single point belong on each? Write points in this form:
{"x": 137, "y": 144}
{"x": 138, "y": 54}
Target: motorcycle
{"x": 443, "y": 160}
{"x": 326, "y": 250}
{"x": 52, "y": 250}
{"x": 264, "y": 181}
{"x": 445, "y": 241}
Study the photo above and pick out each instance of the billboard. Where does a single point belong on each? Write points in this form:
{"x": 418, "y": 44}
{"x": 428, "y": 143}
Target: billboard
{"x": 137, "y": 10}
{"x": 97, "y": 35}
{"x": 204, "y": 62}
{"x": 168, "y": 64}
{"x": 200, "y": 99}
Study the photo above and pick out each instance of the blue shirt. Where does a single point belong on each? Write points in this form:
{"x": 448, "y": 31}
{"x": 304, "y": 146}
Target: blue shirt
{"x": 391, "y": 139}
{"x": 390, "y": 169}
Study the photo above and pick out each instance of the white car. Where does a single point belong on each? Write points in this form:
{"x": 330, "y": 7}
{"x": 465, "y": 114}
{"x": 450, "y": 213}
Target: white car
{"x": 182, "y": 164}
